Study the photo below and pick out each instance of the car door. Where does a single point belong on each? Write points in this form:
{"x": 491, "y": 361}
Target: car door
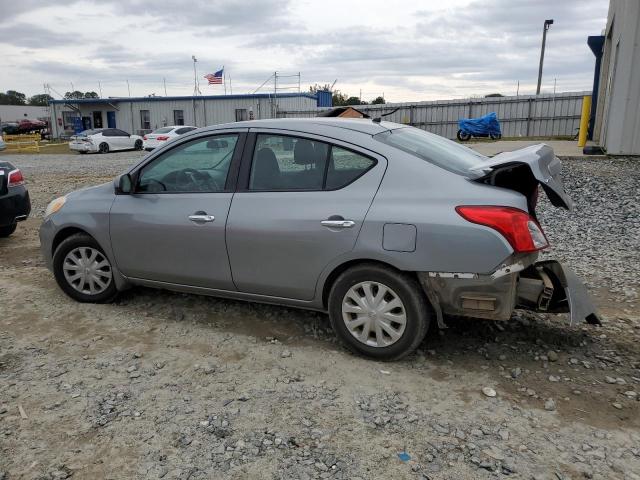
{"x": 121, "y": 140}
{"x": 172, "y": 228}
{"x": 300, "y": 203}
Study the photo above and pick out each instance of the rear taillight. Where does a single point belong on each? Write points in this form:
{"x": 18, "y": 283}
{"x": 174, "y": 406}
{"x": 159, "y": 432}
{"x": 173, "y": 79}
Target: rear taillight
{"x": 162, "y": 137}
{"x": 15, "y": 178}
{"x": 144, "y": 138}
{"x": 520, "y": 229}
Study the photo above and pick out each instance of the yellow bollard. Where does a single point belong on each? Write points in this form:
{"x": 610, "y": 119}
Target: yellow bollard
{"x": 584, "y": 120}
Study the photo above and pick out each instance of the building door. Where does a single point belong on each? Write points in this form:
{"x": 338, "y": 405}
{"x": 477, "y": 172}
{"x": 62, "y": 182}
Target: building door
{"x": 86, "y": 123}
{"x": 111, "y": 119}
{"x": 97, "y": 119}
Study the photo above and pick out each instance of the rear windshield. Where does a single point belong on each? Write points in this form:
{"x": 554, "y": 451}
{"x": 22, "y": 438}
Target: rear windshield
{"x": 163, "y": 130}
{"x": 86, "y": 133}
{"x": 432, "y": 148}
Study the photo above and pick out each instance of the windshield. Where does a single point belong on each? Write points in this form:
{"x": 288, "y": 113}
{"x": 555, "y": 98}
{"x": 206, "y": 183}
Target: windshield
{"x": 432, "y": 148}
{"x": 163, "y": 130}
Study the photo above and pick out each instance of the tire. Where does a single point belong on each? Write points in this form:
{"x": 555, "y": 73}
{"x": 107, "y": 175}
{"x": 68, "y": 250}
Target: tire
{"x": 138, "y": 145}
{"x": 7, "y": 230}
{"x": 103, "y": 148}
{"x": 414, "y": 305}
{"x": 495, "y": 136}
{"x": 63, "y": 260}
{"x": 463, "y": 136}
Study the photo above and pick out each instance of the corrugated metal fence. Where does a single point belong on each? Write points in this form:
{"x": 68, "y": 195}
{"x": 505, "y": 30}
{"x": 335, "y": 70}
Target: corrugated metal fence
{"x": 521, "y": 116}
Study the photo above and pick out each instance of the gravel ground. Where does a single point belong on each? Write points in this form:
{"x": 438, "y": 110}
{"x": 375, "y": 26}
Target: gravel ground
{"x": 166, "y": 385}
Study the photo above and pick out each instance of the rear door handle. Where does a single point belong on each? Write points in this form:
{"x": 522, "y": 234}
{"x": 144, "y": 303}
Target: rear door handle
{"x": 201, "y": 217}
{"x": 338, "y": 223}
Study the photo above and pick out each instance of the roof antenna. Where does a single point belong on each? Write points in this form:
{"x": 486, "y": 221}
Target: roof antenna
{"x": 379, "y": 119}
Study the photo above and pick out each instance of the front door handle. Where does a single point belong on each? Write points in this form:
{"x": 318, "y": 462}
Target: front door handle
{"x": 338, "y": 223}
{"x": 201, "y": 217}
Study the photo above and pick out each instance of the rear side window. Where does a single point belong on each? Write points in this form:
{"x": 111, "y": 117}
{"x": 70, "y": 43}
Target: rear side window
{"x": 163, "y": 130}
{"x": 182, "y": 130}
{"x": 287, "y": 163}
{"x": 284, "y": 163}
{"x": 433, "y": 148}
{"x": 345, "y": 167}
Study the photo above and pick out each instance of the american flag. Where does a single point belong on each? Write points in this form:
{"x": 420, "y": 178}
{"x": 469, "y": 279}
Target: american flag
{"x": 214, "y": 78}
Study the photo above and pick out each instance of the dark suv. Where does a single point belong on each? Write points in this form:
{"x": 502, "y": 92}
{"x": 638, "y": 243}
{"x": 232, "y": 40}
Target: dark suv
{"x": 15, "y": 204}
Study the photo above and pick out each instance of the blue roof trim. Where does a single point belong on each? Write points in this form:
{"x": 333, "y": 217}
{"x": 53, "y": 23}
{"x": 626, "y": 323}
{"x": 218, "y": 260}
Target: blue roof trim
{"x": 201, "y": 97}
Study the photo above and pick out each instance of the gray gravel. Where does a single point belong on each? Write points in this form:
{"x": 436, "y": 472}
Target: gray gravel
{"x": 166, "y": 385}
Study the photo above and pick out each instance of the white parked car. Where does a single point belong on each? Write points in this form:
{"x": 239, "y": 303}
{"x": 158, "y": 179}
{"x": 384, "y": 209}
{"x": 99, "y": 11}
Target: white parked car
{"x": 161, "y": 135}
{"x": 2, "y": 144}
{"x": 104, "y": 140}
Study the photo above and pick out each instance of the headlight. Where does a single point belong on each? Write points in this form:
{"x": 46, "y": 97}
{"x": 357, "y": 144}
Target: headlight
{"x": 54, "y": 206}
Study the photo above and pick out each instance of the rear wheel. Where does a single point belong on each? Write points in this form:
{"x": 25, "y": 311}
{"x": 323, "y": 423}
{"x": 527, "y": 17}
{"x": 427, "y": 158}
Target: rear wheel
{"x": 378, "y": 312}
{"x": 103, "y": 147}
{"x": 138, "y": 145}
{"x": 7, "y": 230}
{"x": 83, "y": 271}
{"x": 495, "y": 136}
{"x": 463, "y": 136}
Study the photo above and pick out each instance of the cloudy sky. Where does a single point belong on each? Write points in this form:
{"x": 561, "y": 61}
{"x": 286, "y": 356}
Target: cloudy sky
{"x": 408, "y": 50}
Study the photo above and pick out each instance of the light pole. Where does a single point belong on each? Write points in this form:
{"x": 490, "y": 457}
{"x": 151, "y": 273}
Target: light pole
{"x": 196, "y": 88}
{"x": 547, "y": 24}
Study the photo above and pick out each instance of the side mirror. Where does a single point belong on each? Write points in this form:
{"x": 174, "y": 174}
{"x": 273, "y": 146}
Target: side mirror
{"x": 124, "y": 184}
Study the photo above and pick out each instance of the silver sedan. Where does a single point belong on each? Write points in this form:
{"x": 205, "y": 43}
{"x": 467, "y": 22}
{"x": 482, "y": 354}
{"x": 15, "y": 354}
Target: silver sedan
{"x": 385, "y": 227}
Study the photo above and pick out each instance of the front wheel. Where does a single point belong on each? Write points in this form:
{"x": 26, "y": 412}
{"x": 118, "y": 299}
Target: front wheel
{"x": 138, "y": 145}
{"x": 83, "y": 271}
{"x": 463, "y": 136}
{"x": 7, "y": 230}
{"x": 378, "y": 312}
{"x": 103, "y": 147}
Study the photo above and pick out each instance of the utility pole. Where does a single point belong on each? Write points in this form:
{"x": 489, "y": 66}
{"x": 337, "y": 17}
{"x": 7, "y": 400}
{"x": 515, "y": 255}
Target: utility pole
{"x": 547, "y": 24}
{"x": 100, "y": 88}
{"x": 196, "y": 87}
{"x": 164, "y": 82}
{"x": 128, "y": 88}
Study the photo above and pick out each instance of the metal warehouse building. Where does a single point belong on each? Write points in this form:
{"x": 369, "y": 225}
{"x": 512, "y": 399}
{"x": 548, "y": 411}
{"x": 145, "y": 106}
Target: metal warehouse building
{"x": 617, "y": 115}
{"x": 140, "y": 115}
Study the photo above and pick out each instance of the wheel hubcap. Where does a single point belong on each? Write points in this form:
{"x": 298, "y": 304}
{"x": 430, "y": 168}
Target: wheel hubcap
{"x": 87, "y": 270}
{"x": 374, "y": 314}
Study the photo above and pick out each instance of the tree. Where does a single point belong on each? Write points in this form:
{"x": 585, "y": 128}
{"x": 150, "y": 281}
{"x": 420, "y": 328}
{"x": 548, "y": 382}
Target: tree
{"x": 41, "y": 100}
{"x": 73, "y": 95}
{"x": 491, "y": 95}
{"x": 91, "y": 95}
{"x": 13, "y": 98}
{"x": 339, "y": 99}
{"x": 355, "y": 101}
{"x": 378, "y": 101}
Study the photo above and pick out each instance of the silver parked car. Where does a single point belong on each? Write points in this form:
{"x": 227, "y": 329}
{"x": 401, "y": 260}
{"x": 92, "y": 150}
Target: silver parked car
{"x": 385, "y": 227}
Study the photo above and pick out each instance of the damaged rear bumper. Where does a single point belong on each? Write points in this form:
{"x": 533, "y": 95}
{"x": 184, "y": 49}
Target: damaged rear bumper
{"x": 546, "y": 286}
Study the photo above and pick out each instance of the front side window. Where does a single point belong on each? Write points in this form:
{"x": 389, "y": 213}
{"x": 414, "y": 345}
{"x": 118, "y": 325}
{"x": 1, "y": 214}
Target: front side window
{"x": 287, "y": 163}
{"x": 178, "y": 117}
{"x": 145, "y": 120}
{"x": 200, "y": 165}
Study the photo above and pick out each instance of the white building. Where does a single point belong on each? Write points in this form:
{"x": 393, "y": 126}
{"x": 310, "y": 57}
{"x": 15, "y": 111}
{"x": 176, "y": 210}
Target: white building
{"x": 617, "y": 116}
{"x": 140, "y": 115}
{"x": 15, "y": 113}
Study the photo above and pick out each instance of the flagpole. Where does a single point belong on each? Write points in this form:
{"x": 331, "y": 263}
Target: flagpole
{"x": 224, "y": 81}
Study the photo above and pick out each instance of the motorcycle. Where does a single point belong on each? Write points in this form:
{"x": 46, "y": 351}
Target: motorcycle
{"x": 487, "y": 126}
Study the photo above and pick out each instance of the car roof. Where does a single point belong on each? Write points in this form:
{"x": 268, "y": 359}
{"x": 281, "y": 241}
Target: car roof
{"x": 315, "y": 125}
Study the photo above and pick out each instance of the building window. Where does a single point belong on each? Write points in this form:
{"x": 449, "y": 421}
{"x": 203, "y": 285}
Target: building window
{"x": 145, "y": 120}
{"x": 241, "y": 114}
{"x": 178, "y": 117}
{"x": 68, "y": 120}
